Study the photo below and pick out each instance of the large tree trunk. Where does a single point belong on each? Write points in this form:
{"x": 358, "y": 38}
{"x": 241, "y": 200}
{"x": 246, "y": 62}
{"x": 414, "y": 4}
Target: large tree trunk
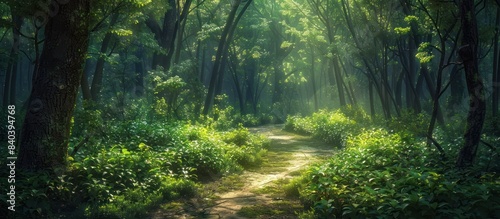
{"x": 45, "y": 133}
{"x": 477, "y": 106}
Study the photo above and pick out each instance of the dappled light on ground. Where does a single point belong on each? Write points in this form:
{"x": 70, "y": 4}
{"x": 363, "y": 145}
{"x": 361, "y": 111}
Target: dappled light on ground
{"x": 252, "y": 194}
{"x": 300, "y": 152}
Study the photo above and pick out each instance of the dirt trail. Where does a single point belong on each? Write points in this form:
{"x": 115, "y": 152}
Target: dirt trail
{"x": 300, "y": 152}
{"x": 255, "y": 193}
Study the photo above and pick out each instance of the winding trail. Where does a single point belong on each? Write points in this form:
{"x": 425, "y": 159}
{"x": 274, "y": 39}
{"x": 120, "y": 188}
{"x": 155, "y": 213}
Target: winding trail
{"x": 256, "y": 194}
{"x": 300, "y": 152}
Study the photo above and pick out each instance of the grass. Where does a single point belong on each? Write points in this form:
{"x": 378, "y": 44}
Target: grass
{"x": 273, "y": 161}
{"x": 276, "y": 209}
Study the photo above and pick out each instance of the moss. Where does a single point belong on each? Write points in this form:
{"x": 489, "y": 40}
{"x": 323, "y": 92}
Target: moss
{"x": 277, "y": 209}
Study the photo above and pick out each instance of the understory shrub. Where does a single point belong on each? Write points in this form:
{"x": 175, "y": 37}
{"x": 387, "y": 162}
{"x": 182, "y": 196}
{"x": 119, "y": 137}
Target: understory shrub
{"x": 331, "y": 127}
{"x": 245, "y": 148}
{"x": 392, "y": 174}
{"x": 129, "y": 167}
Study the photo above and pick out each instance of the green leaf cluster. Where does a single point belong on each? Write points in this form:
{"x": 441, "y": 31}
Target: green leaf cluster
{"x": 392, "y": 174}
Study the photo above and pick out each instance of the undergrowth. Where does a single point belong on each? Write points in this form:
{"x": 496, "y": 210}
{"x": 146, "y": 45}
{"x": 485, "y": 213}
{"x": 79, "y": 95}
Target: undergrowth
{"x": 390, "y": 173}
{"x": 127, "y": 168}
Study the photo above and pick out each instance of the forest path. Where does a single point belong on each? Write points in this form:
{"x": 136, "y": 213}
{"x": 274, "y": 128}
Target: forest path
{"x": 287, "y": 155}
{"x": 258, "y": 192}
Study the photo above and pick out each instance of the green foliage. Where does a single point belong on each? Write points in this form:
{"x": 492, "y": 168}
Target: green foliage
{"x": 244, "y": 148}
{"x": 135, "y": 203}
{"x": 332, "y": 127}
{"x": 204, "y": 159}
{"x": 410, "y": 123}
{"x": 492, "y": 125}
{"x": 297, "y": 124}
{"x": 129, "y": 166}
{"x": 382, "y": 174}
{"x": 424, "y": 54}
{"x": 239, "y": 136}
{"x": 251, "y": 120}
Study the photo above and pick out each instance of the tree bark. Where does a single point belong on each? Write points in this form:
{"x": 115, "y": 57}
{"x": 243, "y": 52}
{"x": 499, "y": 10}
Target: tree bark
{"x": 85, "y": 82}
{"x": 45, "y": 132}
{"x": 9, "y": 95}
{"x": 457, "y": 89}
{"x": 215, "y": 85}
{"x": 180, "y": 33}
{"x": 339, "y": 80}
{"x": 477, "y": 106}
{"x": 313, "y": 80}
{"x": 165, "y": 35}
{"x": 99, "y": 68}
{"x": 372, "y": 104}
{"x": 139, "y": 72}
{"x": 495, "y": 96}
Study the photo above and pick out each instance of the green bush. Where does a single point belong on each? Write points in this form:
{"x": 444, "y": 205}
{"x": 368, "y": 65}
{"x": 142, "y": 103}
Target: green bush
{"x": 244, "y": 148}
{"x": 356, "y": 113}
{"x": 126, "y": 167}
{"x": 136, "y": 202}
{"x": 379, "y": 175}
{"x": 332, "y": 127}
{"x": 300, "y": 125}
{"x": 204, "y": 159}
{"x": 409, "y": 122}
{"x": 252, "y": 120}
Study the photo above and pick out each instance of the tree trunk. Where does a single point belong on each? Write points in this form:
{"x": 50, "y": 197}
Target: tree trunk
{"x": 165, "y": 35}
{"x": 99, "y": 68}
{"x": 9, "y": 95}
{"x": 85, "y": 82}
{"x": 313, "y": 80}
{"x": 45, "y": 132}
{"x": 495, "y": 96}
{"x": 457, "y": 89}
{"x": 216, "y": 79}
{"x": 398, "y": 90}
{"x": 435, "y": 97}
{"x": 237, "y": 86}
{"x": 338, "y": 78}
{"x": 180, "y": 33}
{"x": 477, "y": 106}
{"x": 372, "y": 104}
{"x": 218, "y": 58}
{"x": 139, "y": 72}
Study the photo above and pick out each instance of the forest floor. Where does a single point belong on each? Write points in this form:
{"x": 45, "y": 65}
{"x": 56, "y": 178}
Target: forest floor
{"x": 258, "y": 192}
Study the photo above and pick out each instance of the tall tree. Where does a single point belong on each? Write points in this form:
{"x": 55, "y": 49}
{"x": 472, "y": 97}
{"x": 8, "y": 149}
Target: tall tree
{"x": 495, "y": 96}
{"x": 477, "y": 106}
{"x": 45, "y": 132}
{"x": 222, "y": 50}
{"x": 9, "y": 95}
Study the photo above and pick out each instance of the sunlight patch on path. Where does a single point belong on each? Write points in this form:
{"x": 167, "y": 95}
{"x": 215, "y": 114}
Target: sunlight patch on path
{"x": 302, "y": 152}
